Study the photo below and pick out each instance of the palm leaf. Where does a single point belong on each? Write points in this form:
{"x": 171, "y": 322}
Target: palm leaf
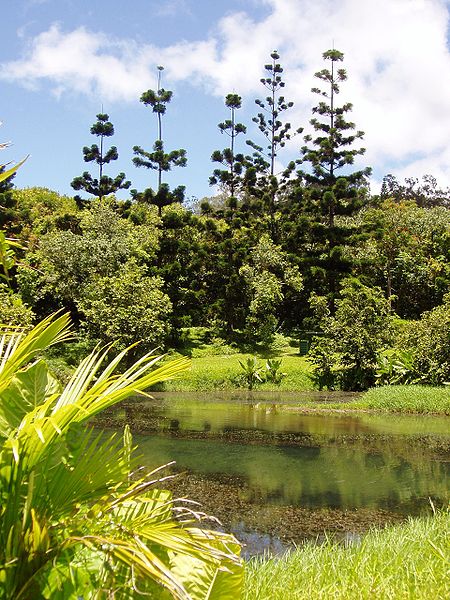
{"x": 17, "y": 348}
{"x": 5, "y": 174}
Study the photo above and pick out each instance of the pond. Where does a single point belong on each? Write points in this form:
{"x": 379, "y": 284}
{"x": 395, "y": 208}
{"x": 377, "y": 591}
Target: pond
{"x": 276, "y": 476}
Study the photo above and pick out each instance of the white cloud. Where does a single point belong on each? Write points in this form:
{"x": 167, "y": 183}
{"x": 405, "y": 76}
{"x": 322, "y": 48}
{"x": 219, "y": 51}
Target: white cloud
{"x": 396, "y": 54}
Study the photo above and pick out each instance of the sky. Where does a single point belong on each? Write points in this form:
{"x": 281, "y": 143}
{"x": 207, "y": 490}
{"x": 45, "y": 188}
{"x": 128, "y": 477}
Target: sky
{"x": 63, "y": 60}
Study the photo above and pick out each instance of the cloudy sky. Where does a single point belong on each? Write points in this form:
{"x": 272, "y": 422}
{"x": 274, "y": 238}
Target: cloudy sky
{"x": 62, "y": 60}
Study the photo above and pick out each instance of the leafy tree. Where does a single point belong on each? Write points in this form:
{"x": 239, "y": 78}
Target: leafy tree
{"x": 428, "y": 340}
{"x": 424, "y": 194}
{"x": 104, "y": 185}
{"x": 159, "y": 160}
{"x": 126, "y": 307}
{"x": 267, "y": 274}
{"x": 75, "y": 520}
{"x": 231, "y": 177}
{"x": 346, "y": 356}
{"x": 35, "y": 211}
{"x": 58, "y": 272}
{"x": 405, "y": 251}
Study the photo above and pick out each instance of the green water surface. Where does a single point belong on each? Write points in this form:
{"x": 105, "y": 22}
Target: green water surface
{"x": 268, "y": 470}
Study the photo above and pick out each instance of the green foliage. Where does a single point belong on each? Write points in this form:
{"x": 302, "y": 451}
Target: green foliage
{"x": 34, "y": 211}
{"x": 66, "y": 261}
{"x": 396, "y": 366}
{"x": 7, "y": 256}
{"x": 127, "y": 307}
{"x": 346, "y": 357}
{"x": 268, "y": 273}
{"x": 261, "y": 180}
{"x": 405, "y": 251}
{"x": 231, "y": 177}
{"x": 331, "y": 149}
{"x": 12, "y": 309}
{"x": 252, "y": 371}
{"x": 159, "y": 160}
{"x": 406, "y": 398}
{"x": 429, "y": 341}
{"x": 223, "y": 372}
{"x": 73, "y": 521}
{"x": 272, "y": 370}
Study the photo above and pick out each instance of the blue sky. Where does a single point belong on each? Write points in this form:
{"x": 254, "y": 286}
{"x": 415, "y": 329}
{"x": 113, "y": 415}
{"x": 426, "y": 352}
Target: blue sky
{"x": 63, "y": 59}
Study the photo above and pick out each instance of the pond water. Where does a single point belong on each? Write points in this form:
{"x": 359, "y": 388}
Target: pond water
{"x": 276, "y": 476}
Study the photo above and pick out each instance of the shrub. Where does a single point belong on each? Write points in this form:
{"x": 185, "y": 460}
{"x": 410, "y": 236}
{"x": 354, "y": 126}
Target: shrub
{"x": 429, "y": 340}
{"x": 12, "y": 309}
{"x": 346, "y": 357}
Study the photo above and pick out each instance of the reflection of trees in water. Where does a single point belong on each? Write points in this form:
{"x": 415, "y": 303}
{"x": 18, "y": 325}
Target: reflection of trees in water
{"x": 332, "y": 461}
{"x": 311, "y": 477}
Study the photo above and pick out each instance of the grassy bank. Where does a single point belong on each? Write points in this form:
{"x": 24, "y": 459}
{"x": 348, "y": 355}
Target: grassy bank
{"x": 413, "y": 399}
{"x": 407, "y": 398}
{"x": 403, "y": 561}
{"x": 209, "y": 373}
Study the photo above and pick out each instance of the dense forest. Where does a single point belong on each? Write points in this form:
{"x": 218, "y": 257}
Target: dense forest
{"x": 307, "y": 251}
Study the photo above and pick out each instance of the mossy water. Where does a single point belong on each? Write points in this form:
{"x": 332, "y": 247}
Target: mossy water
{"x": 274, "y": 475}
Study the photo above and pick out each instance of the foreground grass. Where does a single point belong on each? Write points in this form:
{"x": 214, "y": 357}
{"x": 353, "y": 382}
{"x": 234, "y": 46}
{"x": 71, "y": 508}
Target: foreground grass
{"x": 404, "y": 561}
{"x": 209, "y": 373}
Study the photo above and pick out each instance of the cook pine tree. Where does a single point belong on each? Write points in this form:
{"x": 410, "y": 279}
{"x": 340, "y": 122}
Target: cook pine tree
{"x": 333, "y": 189}
{"x": 230, "y": 176}
{"x": 158, "y": 159}
{"x": 261, "y": 176}
{"x": 103, "y": 185}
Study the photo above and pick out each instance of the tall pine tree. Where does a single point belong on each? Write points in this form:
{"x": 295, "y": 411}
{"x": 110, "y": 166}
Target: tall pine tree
{"x": 261, "y": 177}
{"x": 330, "y": 188}
{"x": 230, "y": 177}
{"x": 159, "y": 160}
{"x": 103, "y": 185}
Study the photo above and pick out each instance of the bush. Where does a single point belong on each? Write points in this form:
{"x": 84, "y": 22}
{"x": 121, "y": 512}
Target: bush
{"x": 12, "y": 309}
{"x": 346, "y": 357}
{"x": 429, "y": 340}
{"x": 129, "y": 307}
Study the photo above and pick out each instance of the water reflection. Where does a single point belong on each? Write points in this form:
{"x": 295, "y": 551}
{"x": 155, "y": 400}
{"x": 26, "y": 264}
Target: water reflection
{"x": 266, "y": 470}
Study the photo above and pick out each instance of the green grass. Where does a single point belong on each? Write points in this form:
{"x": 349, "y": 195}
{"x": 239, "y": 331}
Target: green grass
{"x": 209, "y": 373}
{"x": 408, "y": 561}
{"x": 407, "y": 398}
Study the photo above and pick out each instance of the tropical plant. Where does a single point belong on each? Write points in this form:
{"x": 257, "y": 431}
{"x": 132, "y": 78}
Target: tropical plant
{"x": 159, "y": 160}
{"x": 7, "y": 256}
{"x": 252, "y": 371}
{"x": 10, "y": 172}
{"x": 396, "y": 367}
{"x": 272, "y": 370}
{"x": 231, "y": 177}
{"x": 75, "y": 521}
